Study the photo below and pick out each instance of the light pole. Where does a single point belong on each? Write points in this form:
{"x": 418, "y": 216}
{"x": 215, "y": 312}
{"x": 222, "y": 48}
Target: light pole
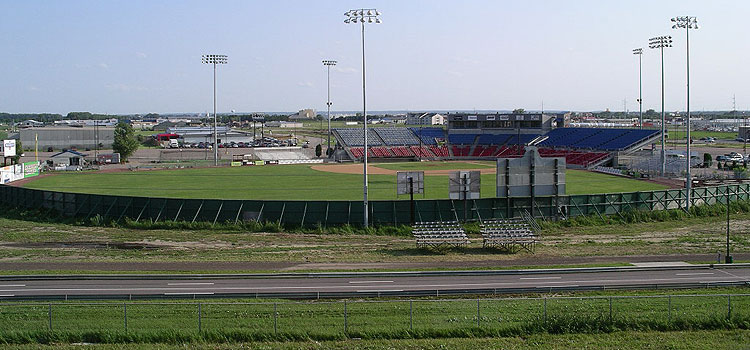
{"x": 214, "y": 60}
{"x": 639, "y": 52}
{"x": 328, "y": 64}
{"x": 363, "y": 16}
{"x": 660, "y": 42}
{"x": 687, "y": 22}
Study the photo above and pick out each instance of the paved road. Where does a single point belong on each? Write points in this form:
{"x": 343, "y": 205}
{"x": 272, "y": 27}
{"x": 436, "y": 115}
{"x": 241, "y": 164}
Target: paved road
{"x": 368, "y": 285}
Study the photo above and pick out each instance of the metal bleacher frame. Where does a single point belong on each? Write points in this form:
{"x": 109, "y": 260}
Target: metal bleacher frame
{"x": 509, "y": 234}
{"x": 437, "y": 233}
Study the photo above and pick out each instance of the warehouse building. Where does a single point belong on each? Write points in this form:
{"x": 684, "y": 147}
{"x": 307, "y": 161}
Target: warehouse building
{"x": 65, "y": 137}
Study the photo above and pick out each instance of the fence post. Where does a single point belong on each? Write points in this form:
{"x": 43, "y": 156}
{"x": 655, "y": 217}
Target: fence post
{"x": 545, "y": 309}
{"x": 729, "y": 305}
{"x": 49, "y": 315}
{"x": 669, "y": 308}
{"x": 477, "y": 312}
{"x": 610, "y": 309}
{"x": 346, "y": 319}
{"x": 199, "y": 318}
{"x": 125, "y": 315}
{"x": 411, "y": 316}
{"x": 275, "y": 315}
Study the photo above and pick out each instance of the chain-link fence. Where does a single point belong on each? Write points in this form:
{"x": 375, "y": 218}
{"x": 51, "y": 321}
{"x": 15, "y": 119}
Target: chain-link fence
{"x": 328, "y": 318}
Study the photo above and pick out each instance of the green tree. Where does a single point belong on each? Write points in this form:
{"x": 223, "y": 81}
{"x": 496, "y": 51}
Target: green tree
{"x": 125, "y": 141}
{"x": 318, "y": 150}
{"x": 519, "y": 111}
{"x": 707, "y": 159}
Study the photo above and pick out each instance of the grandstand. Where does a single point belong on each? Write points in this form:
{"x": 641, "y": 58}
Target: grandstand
{"x": 581, "y": 147}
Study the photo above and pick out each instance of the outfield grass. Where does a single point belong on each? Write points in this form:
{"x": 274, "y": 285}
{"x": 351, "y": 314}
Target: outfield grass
{"x": 698, "y": 134}
{"x": 294, "y": 182}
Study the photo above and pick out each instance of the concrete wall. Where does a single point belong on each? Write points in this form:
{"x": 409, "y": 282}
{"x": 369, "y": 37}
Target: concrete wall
{"x": 67, "y": 137}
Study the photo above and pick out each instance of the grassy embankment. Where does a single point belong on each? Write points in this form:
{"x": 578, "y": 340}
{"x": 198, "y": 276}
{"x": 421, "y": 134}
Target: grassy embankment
{"x": 242, "y": 320}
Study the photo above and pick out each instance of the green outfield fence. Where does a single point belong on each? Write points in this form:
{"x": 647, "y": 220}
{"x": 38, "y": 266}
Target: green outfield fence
{"x": 382, "y": 212}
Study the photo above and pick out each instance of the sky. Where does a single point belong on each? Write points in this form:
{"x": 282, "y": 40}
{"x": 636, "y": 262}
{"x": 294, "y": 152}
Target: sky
{"x": 132, "y": 56}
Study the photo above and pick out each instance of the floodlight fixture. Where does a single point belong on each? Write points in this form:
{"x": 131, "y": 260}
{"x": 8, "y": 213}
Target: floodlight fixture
{"x": 214, "y": 60}
{"x": 687, "y": 22}
{"x": 363, "y": 16}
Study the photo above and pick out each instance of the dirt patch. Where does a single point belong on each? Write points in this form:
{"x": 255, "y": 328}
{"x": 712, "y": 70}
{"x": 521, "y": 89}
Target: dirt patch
{"x": 374, "y": 169}
{"x": 80, "y": 245}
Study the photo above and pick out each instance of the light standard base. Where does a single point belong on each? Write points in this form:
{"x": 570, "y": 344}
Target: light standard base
{"x": 729, "y": 259}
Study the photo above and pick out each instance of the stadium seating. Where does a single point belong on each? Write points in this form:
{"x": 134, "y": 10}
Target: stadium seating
{"x": 579, "y": 146}
{"x": 440, "y": 151}
{"x": 461, "y": 151}
{"x": 429, "y": 135}
{"x": 422, "y": 152}
{"x": 353, "y": 137}
{"x": 597, "y": 139}
{"x": 402, "y": 152}
{"x": 462, "y": 139}
{"x": 397, "y": 136}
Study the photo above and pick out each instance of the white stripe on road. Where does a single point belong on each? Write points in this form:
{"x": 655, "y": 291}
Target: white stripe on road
{"x": 365, "y": 282}
{"x": 540, "y": 278}
{"x": 694, "y": 274}
{"x": 380, "y": 290}
{"x": 12, "y": 285}
{"x": 195, "y": 293}
{"x": 191, "y": 284}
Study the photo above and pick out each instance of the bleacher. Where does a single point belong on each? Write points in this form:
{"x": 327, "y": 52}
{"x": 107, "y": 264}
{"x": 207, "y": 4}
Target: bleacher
{"x": 493, "y": 139}
{"x": 579, "y": 146}
{"x": 440, "y": 151}
{"x": 422, "y": 152}
{"x": 402, "y": 152}
{"x": 397, "y": 136}
{"x": 597, "y": 139}
{"x": 354, "y": 137}
{"x": 436, "y": 234}
{"x": 462, "y": 139}
{"x": 428, "y": 135}
{"x": 508, "y": 234}
{"x": 461, "y": 151}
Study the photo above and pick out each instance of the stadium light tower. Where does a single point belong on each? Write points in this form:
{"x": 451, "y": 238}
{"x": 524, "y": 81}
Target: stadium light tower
{"x": 687, "y": 22}
{"x": 639, "y": 52}
{"x": 660, "y": 42}
{"x": 363, "y": 16}
{"x": 328, "y": 64}
{"x": 215, "y": 59}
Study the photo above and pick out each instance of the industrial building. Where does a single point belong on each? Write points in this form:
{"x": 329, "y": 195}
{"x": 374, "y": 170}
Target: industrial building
{"x": 206, "y": 134}
{"x": 67, "y": 137}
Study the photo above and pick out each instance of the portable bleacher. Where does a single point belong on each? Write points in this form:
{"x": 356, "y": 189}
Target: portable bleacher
{"x": 438, "y": 233}
{"x": 508, "y": 234}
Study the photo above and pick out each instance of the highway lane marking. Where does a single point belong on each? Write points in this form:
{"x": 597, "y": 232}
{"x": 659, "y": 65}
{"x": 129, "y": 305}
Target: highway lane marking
{"x": 12, "y": 285}
{"x": 195, "y": 293}
{"x": 366, "y": 282}
{"x": 380, "y": 290}
{"x": 729, "y": 273}
{"x": 191, "y": 284}
{"x": 540, "y": 278}
{"x": 694, "y": 274}
{"x": 588, "y": 282}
